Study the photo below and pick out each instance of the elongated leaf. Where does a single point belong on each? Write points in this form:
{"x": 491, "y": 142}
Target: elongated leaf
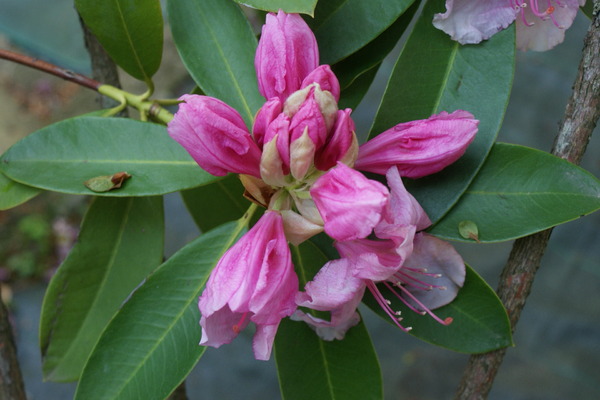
{"x": 520, "y": 191}
{"x": 289, "y": 6}
{"x": 217, "y": 203}
{"x": 434, "y": 74}
{"x": 352, "y": 95}
{"x": 131, "y": 31}
{"x": 152, "y": 343}
{"x": 480, "y": 321}
{"x": 120, "y": 243}
{"x": 372, "y": 54}
{"x": 588, "y": 9}
{"x": 217, "y": 47}
{"x": 344, "y": 26}
{"x": 62, "y": 156}
{"x": 12, "y": 193}
{"x": 310, "y": 368}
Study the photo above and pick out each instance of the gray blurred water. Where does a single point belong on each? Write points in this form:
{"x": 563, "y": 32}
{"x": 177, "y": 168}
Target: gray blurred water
{"x": 557, "y": 353}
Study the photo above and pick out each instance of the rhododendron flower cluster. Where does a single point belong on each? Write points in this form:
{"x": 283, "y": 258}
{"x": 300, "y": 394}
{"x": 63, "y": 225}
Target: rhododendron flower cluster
{"x": 541, "y": 24}
{"x": 301, "y": 161}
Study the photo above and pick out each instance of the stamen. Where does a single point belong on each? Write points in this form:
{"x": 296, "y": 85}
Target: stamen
{"x": 385, "y": 304}
{"x": 237, "y": 327}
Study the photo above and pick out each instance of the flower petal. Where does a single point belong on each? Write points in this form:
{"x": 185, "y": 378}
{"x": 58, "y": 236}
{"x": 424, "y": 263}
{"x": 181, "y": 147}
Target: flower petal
{"x": 468, "y": 21}
{"x": 350, "y": 204}
{"x": 215, "y": 136}
{"x": 437, "y": 257}
{"x": 419, "y": 148}
{"x": 287, "y": 52}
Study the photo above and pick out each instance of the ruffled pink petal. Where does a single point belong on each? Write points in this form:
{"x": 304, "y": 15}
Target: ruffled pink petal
{"x": 419, "y": 148}
{"x": 402, "y": 209}
{"x": 287, "y": 52}
{"x": 377, "y": 260}
{"x": 350, "y": 204}
{"x": 333, "y": 289}
{"x": 471, "y": 21}
{"x": 262, "y": 342}
{"x": 542, "y": 35}
{"x": 437, "y": 257}
{"x": 215, "y": 136}
{"x": 254, "y": 281}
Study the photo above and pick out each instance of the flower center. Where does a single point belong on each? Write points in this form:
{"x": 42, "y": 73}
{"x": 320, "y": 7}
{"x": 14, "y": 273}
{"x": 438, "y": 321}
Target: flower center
{"x": 543, "y": 14}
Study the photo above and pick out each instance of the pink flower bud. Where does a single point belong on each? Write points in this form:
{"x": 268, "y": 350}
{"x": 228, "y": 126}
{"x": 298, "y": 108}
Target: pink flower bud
{"x": 324, "y": 76}
{"x": 215, "y": 136}
{"x": 419, "y": 148}
{"x": 341, "y": 144}
{"x": 287, "y": 52}
{"x": 253, "y": 282}
{"x": 350, "y": 204}
{"x": 267, "y": 114}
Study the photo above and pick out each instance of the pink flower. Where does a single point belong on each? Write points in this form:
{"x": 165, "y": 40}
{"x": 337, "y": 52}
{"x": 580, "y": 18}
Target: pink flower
{"x": 215, "y": 136}
{"x": 419, "y": 148}
{"x": 421, "y": 270}
{"x": 349, "y": 203}
{"x": 254, "y": 281}
{"x": 286, "y": 54}
{"x": 541, "y": 25}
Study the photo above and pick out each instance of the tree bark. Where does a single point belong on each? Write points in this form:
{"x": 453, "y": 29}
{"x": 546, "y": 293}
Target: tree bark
{"x": 580, "y": 119}
{"x": 11, "y": 381}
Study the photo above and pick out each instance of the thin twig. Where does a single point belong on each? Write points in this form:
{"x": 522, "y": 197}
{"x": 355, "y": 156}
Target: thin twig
{"x": 50, "y": 68}
{"x": 581, "y": 116}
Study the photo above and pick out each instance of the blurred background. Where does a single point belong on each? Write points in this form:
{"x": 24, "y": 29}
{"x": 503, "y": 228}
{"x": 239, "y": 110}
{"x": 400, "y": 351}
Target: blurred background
{"x": 557, "y": 352}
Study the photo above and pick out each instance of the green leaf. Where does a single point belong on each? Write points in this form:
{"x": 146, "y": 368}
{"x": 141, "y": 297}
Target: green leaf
{"x": 588, "y": 9}
{"x": 344, "y": 26}
{"x": 120, "y": 243}
{"x": 152, "y": 343}
{"x": 13, "y": 194}
{"x": 352, "y": 95}
{"x": 520, "y": 191}
{"x": 434, "y": 74}
{"x": 62, "y": 156}
{"x": 480, "y": 321}
{"x": 289, "y": 6}
{"x": 310, "y": 368}
{"x": 131, "y": 31}
{"x": 217, "y": 203}
{"x": 371, "y": 56}
{"x": 217, "y": 45}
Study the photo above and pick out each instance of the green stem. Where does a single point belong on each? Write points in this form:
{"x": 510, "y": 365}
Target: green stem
{"x": 140, "y": 102}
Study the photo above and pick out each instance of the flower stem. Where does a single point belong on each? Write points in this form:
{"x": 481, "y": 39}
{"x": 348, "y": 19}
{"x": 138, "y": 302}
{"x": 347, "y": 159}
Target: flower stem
{"x": 146, "y": 107}
{"x": 581, "y": 115}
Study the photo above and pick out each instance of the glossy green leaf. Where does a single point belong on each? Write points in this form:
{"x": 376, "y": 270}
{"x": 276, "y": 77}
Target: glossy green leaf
{"x": 217, "y": 203}
{"x": 120, "y": 243}
{"x": 13, "y": 194}
{"x": 152, "y": 343}
{"x": 352, "y": 95}
{"x": 217, "y": 45}
{"x": 62, "y": 156}
{"x": 520, "y": 191}
{"x": 289, "y": 6}
{"x": 480, "y": 322}
{"x": 588, "y": 9}
{"x": 131, "y": 31}
{"x": 310, "y": 368}
{"x": 344, "y": 26}
{"x": 371, "y": 55}
{"x": 434, "y": 74}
